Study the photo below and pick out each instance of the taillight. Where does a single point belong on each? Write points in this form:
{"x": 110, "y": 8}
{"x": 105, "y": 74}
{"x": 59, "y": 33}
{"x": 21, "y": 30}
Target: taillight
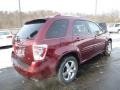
{"x": 9, "y": 36}
{"x": 39, "y": 51}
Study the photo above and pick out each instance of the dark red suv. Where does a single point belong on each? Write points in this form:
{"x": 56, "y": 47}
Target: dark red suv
{"x": 57, "y": 46}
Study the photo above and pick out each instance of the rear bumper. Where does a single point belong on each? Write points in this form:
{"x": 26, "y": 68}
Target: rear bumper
{"x": 36, "y": 70}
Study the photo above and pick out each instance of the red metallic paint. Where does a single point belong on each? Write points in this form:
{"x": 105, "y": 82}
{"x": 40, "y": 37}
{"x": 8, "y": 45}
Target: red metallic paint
{"x": 85, "y": 47}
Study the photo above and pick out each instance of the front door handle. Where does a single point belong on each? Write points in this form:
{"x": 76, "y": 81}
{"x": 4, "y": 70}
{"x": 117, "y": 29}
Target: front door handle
{"x": 78, "y": 39}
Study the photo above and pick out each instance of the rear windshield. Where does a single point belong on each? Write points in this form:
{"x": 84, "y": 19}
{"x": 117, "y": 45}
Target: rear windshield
{"x": 29, "y": 30}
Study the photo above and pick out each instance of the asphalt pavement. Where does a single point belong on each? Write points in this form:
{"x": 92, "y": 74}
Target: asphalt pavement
{"x": 100, "y": 73}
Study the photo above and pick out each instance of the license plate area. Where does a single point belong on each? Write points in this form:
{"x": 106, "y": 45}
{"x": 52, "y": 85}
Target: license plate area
{"x": 20, "y": 51}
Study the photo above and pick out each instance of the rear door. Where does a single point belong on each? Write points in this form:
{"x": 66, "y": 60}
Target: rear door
{"x": 100, "y": 37}
{"x": 54, "y": 36}
{"x": 83, "y": 39}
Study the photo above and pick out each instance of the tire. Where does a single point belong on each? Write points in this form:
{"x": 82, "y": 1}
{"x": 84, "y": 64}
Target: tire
{"x": 108, "y": 48}
{"x": 68, "y": 70}
{"x": 27, "y": 78}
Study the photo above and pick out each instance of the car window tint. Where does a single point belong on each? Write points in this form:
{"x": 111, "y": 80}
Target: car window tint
{"x": 80, "y": 27}
{"x": 29, "y": 31}
{"x": 57, "y": 29}
{"x": 94, "y": 27}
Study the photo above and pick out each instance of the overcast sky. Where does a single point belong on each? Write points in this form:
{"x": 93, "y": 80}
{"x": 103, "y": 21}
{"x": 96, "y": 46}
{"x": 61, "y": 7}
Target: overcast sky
{"x": 81, "y": 6}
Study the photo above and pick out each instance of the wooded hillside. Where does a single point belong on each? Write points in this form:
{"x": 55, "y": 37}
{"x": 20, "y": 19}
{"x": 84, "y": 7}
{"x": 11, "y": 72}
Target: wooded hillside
{"x": 12, "y": 19}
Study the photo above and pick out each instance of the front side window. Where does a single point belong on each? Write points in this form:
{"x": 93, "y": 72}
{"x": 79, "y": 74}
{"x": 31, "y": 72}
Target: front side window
{"x": 57, "y": 29}
{"x": 80, "y": 27}
{"x": 94, "y": 27}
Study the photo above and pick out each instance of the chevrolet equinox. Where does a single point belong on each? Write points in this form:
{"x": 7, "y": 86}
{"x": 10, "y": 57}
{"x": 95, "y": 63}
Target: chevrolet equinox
{"x": 57, "y": 46}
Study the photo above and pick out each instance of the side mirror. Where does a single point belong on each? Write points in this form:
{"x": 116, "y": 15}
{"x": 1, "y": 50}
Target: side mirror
{"x": 105, "y": 31}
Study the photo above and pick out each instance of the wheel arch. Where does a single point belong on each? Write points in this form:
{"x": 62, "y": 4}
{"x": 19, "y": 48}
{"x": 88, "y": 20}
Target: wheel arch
{"x": 72, "y": 53}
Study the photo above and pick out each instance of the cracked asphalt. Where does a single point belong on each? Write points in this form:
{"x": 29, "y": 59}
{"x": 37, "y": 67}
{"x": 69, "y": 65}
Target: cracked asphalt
{"x": 99, "y": 73}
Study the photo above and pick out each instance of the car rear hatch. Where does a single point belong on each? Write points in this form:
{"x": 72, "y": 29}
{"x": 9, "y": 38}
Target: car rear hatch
{"x": 24, "y": 39}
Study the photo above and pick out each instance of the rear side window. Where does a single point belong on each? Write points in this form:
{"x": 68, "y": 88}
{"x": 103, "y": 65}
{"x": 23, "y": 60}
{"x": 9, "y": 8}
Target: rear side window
{"x": 30, "y": 29}
{"x": 57, "y": 29}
